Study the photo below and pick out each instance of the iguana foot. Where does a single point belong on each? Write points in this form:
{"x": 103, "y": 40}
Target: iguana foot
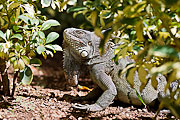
{"x": 92, "y": 108}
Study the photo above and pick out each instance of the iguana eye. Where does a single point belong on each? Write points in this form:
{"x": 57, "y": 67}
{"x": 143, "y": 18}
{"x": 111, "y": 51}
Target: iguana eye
{"x": 84, "y": 53}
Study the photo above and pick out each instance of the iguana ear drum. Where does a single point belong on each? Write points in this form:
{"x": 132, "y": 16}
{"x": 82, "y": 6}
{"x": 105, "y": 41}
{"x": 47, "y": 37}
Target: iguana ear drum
{"x": 84, "y": 53}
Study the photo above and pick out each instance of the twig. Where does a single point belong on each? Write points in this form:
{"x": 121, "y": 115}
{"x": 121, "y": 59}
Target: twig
{"x": 14, "y": 84}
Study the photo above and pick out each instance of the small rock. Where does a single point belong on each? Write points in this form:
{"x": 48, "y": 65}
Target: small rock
{"x": 53, "y": 107}
{"x": 127, "y": 115}
{"x": 139, "y": 110}
{"x": 1, "y": 117}
{"x": 80, "y": 118}
{"x": 144, "y": 110}
{"x": 42, "y": 105}
{"x": 165, "y": 111}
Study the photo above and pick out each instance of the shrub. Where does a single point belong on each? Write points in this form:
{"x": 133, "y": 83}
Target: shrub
{"x": 22, "y": 36}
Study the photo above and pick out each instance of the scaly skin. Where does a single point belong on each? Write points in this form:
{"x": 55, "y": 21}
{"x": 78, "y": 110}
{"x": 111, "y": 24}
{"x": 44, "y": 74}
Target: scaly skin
{"x": 81, "y": 54}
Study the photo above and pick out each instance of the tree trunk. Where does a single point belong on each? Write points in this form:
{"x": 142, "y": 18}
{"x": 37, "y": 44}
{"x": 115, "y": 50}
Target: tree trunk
{"x": 6, "y": 84}
{"x": 0, "y": 83}
{"x": 14, "y": 83}
{"x": 4, "y": 77}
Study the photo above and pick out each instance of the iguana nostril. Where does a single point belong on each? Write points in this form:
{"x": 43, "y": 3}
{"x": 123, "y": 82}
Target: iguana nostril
{"x": 65, "y": 30}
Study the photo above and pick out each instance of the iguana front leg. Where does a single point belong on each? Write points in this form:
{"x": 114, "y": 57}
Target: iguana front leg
{"x": 106, "y": 84}
{"x": 71, "y": 67}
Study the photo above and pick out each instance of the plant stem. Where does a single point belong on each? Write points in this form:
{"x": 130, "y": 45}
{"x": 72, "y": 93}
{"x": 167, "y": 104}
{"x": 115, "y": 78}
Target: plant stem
{"x": 5, "y": 82}
{"x": 14, "y": 83}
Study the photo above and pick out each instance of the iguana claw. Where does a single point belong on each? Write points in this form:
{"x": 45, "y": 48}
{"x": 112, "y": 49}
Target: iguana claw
{"x": 87, "y": 107}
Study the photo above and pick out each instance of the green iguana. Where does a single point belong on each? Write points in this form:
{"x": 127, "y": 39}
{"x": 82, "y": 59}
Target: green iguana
{"x": 81, "y": 55}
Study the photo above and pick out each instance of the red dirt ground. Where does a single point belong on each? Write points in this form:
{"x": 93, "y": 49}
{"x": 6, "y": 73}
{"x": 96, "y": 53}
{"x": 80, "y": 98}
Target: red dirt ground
{"x": 42, "y": 100}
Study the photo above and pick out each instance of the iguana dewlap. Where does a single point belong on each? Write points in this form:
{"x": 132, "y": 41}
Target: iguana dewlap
{"x": 81, "y": 54}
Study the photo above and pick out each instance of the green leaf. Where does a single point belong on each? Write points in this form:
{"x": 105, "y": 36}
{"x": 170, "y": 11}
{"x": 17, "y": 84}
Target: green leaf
{"x": 49, "y": 23}
{"x": 86, "y": 3}
{"x": 35, "y": 62}
{"x": 18, "y": 36}
{"x": 14, "y": 5}
{"x": 154, "y": 82}
{"x": 24, "y": 18}
{"x": 25, "y": 59}
{"x": 12, "y": 59}
{"x": 1, "y": 47}
{"x": 21, "y": 64}
{"x": 134, "y": 10}
{"x": 51, "y": 37}
{"x": 139, "y": 31}
{"x": 8, "y": 33}
{"x": 94, "y": 18}
{"x": 15, "y": 28}
{"x": 45, "y": 3}
{"x": 49, "y": 46}
{"x": 142, "y": 77}
{"x": 41, "y": 34}
{"x": 40, "y": 49}
{"x": 35, "y": 21}
{"x": 75, "y": 9}
{"x": 140, "y": 98}
{"x": 164, "y": 35}
{"x": 171, "y": 78}
{"x": 106, "y": 14}
{"x": 15, "y": 64}
{"x": 49, "y": 53}
{"x": 11, "y": 54}
{"x": 17, "y": 46}
{"x": 105, "y": 37}
{"x": 164, "y": 51}
{"x": 53, "y": 5}
{"x": 2, "y": 35}
{"x": 164, "y": 68}
{"x": 57, "y": 47}
{"x": 128, "y": 67}
{"x": 72, "y": 2}
{"x": 54, "y": 47}
{"x": 102, "y": 21}
{"x": 18, "y": 11}
{"x": 26, "y": 76}
{"x": 130, "y": 21}
{"x": 34, "y": 35}
{"x": 130, "y": 76}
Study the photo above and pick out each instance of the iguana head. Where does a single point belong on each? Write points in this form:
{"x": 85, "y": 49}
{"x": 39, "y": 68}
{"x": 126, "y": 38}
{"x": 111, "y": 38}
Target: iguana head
{"x": 81, "y": 41}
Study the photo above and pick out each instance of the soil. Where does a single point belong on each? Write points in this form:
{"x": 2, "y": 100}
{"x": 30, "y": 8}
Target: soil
{"x": 43, "y": 99}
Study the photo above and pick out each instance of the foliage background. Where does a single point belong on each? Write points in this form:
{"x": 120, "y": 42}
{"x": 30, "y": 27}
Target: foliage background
{"x": 148, "y": 31}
